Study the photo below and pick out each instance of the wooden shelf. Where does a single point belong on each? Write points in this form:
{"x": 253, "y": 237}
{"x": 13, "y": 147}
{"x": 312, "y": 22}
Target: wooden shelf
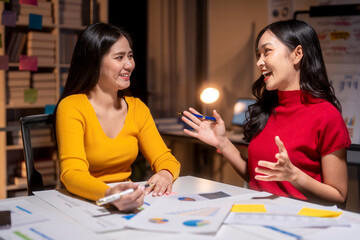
{"x": 25, "y": 105}
{"x": 15, "y": 111}
{"x": 14, "y": 187}
{"x": 35, "y": 145}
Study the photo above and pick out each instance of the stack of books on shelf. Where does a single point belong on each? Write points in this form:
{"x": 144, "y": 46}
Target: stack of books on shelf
{"x": 17, "y": 82}
{"x": 70, "y": 12}
{"x": 42, "y": 45}
{"x": 13, "y": 137}
{"x": 46, "y": 167}
{"x": 40, "y": 137}
{"x": 17, "y": 42}
{"x": 45, "y": 85}
{"x": 43, "y": 8}
{"x": 67, "y": 45}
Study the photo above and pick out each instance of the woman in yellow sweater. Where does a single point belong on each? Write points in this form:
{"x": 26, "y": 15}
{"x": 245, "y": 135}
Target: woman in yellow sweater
{"x": 100, "y": 129}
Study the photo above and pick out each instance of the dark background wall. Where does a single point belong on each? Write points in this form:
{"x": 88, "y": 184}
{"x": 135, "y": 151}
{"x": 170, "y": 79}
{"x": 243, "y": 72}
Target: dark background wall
{"x": 131, "y": 16}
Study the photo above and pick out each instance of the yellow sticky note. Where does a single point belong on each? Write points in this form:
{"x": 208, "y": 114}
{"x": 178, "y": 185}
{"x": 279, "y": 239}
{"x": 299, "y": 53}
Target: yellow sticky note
{"x": 312, "y": 212}
{"x": 248, "y": 208}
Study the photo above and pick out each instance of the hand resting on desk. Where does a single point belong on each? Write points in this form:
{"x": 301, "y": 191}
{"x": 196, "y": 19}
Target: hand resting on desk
{"x": 160, "y": 183}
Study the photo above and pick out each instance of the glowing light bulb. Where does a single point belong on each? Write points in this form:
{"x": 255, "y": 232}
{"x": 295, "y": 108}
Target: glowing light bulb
{"x": 209, "y": 95}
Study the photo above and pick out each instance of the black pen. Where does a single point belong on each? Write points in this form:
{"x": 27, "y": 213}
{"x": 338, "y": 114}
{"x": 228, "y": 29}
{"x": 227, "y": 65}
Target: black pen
{"x": 202, "y": 117}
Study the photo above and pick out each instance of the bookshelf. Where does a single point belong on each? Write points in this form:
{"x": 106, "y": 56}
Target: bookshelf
{"x": 62, "y": 21}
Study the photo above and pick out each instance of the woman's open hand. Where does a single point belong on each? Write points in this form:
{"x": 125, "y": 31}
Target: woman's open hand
{"x": 282, "y": 170}
{"x": 209, "y": 132}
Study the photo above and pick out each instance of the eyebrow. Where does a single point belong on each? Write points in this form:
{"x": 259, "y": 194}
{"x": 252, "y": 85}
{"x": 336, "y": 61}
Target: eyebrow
{"x": 123, "y": 53}
{"x": 262, "y": 46}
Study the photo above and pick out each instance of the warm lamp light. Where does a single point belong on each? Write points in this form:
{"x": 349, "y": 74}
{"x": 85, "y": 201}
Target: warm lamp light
{"x": 209, "y": 95}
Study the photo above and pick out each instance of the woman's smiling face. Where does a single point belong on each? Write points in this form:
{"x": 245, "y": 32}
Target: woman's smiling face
{"x": 276, "y": 62}
{"x": 117, "y": 66}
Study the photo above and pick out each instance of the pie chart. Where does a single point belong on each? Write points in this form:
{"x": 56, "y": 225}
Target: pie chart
{"x": 196, "y": 223}
{"x": 186, "y": 199}
{"x": 158, "y": 220}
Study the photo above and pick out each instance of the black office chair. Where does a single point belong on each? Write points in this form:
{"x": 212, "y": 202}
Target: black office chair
{"x": 28, "y": 123}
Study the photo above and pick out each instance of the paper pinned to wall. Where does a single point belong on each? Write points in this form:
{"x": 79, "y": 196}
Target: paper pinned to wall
{"x": 345, "y": 78}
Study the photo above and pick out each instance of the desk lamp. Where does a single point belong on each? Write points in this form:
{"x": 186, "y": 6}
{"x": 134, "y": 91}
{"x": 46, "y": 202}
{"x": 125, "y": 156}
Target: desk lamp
{"x": 208, "y": 95}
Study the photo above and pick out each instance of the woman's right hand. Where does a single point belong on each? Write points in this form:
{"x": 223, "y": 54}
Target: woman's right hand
{"x": 130, "y": 201}
{"x": 212, "y": 133}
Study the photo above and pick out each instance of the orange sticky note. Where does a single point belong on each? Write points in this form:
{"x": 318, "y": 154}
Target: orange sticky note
{"x": 246, "y": 208}
{"x": 312, "y": 212}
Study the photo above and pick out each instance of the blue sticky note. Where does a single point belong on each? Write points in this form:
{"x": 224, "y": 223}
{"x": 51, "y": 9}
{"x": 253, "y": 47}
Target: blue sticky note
{"x": 49, "y": 109}
{"x": 35, "y": 21}
{"x": 8, "y": 18}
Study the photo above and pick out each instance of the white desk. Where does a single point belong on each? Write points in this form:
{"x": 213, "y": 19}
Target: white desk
{"x": 189, "y": 185}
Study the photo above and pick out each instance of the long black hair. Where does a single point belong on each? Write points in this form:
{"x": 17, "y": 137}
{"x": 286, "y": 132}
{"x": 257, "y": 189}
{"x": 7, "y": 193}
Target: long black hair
{"x": 93, "y": 44}
{"x": 313, "y": 76}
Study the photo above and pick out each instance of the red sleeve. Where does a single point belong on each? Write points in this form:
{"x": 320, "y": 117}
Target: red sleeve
{"x": 333, "y": 134}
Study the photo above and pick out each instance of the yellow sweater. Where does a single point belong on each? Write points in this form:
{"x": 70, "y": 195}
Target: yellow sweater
{"x": 89, "y": 158}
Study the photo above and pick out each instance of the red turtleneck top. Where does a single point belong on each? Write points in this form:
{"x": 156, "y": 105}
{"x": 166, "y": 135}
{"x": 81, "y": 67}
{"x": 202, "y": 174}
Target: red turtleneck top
{"x": 308, "y": 131}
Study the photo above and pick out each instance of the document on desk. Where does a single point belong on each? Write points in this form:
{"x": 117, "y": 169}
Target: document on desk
{"x": 29, "y": 221}
{"x": 266, "y": 213}
{"x": 171, "y": 215}
{"x": 23, "y": 213}
{"x": 98, "y": 219}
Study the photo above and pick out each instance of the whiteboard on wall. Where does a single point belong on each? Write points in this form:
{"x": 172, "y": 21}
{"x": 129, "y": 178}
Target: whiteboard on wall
{"x": 338, "y": 29}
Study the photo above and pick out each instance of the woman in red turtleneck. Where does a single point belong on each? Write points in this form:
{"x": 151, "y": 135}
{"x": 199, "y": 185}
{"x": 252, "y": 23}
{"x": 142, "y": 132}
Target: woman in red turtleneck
{"x": 298, "y": 138}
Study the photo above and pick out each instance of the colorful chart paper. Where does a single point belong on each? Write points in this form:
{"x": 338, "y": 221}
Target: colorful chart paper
{"x": 186, "y": 199}
{"x": 196, "y": 223}
{"x": 158, "y": 220}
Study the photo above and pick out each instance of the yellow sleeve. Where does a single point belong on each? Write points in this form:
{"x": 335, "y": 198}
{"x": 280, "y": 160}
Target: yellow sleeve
{"x": 152, "y": 145}
{"x": 74, "y": 167}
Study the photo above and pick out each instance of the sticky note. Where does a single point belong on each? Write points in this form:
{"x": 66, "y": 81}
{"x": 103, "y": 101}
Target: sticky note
{"x": 246, "y": 208}
{"x": 8, "y": 18}
{"x": 4, "y": 62}
{"x": 30, "y": 95}
{"x": 29, "y": 2}
{"x": 312, "y": 212}
{"x": 49, "y": 109}
{"x": 28, "y": 63}
{"x": 35, "y": 21}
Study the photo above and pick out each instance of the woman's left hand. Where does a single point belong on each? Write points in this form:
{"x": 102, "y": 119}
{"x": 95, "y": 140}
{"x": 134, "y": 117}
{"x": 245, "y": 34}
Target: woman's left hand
{"x": 160, "y": 183}
{"x": 282, "y": 170}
